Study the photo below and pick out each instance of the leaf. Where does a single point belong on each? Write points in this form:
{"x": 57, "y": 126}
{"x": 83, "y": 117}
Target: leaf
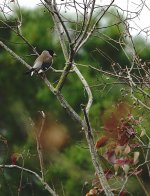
{"x": 126, "y": 168}
{"x": 92, "y": 192}
{"x": 136, "y": 157}
{"x": 14, "y": 158}
{"x": 120, "y": 161}
{"x": 130, "y": 132}
{"x": 125, "y": 133}
{"x": 119, "y": 149}
{"x": 122, "y": 193}
{"x": 127, "y": 149}
{"x": 143, "y": 132}
{"x": 101, "y": 142}
{"x": 116, "y": 167}
{"x": 110, "y": 156}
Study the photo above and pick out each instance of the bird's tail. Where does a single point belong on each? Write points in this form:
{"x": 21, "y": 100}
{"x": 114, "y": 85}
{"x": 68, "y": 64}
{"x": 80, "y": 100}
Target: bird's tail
{"x": 31, "y": 71}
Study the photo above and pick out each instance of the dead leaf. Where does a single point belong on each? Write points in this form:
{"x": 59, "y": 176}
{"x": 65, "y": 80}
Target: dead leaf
{"x": 101, "y": 142}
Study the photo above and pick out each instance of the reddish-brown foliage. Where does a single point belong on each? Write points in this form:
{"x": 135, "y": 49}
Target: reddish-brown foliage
{"x": 14, "y": 157}
{"x": 101, "y": 142}
{"x": 117, "y": 125}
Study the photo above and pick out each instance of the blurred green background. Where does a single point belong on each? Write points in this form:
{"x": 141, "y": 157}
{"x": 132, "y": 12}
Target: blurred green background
{"x": 67, "y": 163}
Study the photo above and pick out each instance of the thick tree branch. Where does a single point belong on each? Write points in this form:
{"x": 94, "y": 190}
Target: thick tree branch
{"x": 86, "y": 86}
{"x": 61, "y": 28}
{"x": 95, "y": 158}
{"x": 59, "y": 96}
{"x": 63, "y": 102}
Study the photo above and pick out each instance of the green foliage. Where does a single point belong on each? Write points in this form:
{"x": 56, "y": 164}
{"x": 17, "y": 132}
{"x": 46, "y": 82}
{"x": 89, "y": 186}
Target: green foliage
{"x": 69, "y": 170}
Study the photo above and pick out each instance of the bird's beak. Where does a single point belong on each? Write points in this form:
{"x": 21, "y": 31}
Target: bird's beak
{"x": 54, "y": 54}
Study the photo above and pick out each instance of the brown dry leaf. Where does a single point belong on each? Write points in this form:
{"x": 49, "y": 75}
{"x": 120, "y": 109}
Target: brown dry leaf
{"x": 14, "y": 158}
{"x": 92, "y": 192}
{"x": 110, "y": 156}
{"x": 101, "y": 142}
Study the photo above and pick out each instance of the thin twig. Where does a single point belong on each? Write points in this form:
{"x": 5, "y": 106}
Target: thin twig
{"x": 14, "y": 55}
{"x": 21, "y": 176}
{"x": 39, "y": 144}
{"x": 142, "y": 185}
{"x": 86, "y": 27}
{"x": 46, "y": 186}
{"x": 59, "y": 29}
{"x": 81, "y": 42}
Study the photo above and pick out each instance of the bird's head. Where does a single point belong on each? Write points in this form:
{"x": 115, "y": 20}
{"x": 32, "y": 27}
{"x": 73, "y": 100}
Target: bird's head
{"x": 51, "y": 52}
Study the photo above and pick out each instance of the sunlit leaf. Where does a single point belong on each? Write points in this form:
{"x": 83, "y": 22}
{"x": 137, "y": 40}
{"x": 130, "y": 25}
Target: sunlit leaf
{"x": 127, "y": 149}
{"x": 116, "y": 167}
{"x": 136, "y": 157}
{"x": 143, "y": 132}
{"x": 126, "y": 168}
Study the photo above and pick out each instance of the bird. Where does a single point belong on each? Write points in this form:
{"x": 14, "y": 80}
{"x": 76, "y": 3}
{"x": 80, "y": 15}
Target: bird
{"x": 42, "y": 63}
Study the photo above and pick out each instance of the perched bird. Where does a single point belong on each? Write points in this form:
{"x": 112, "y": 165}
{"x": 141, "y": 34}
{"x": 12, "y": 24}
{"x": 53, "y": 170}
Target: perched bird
{"x": 42, "y": 63}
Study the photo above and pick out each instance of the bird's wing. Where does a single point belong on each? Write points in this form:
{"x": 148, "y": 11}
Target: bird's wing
{"x": 37, "y": 64}
{"x": 46, "y": 66}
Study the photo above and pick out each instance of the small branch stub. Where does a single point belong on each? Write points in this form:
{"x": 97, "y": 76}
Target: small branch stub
{"x": 83, "y": 107}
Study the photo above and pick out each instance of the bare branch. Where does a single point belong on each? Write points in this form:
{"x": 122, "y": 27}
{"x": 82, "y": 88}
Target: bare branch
{"x": 59, "y": 96}
{"x": 86, "y": 86}
{"x": 18, "y": 33}
{"x": 142, "y": 185}
{"x": 82, "y": 33}
{"x": 46, "y": 186}
{"x": 94, "y": 155}
{"x": 64, "y": 75}
{"x": 81, "y": 41}
{"x": 59, "y": 24}
{"x": 39, "y": 145}
{"x": 14, "y": 55}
